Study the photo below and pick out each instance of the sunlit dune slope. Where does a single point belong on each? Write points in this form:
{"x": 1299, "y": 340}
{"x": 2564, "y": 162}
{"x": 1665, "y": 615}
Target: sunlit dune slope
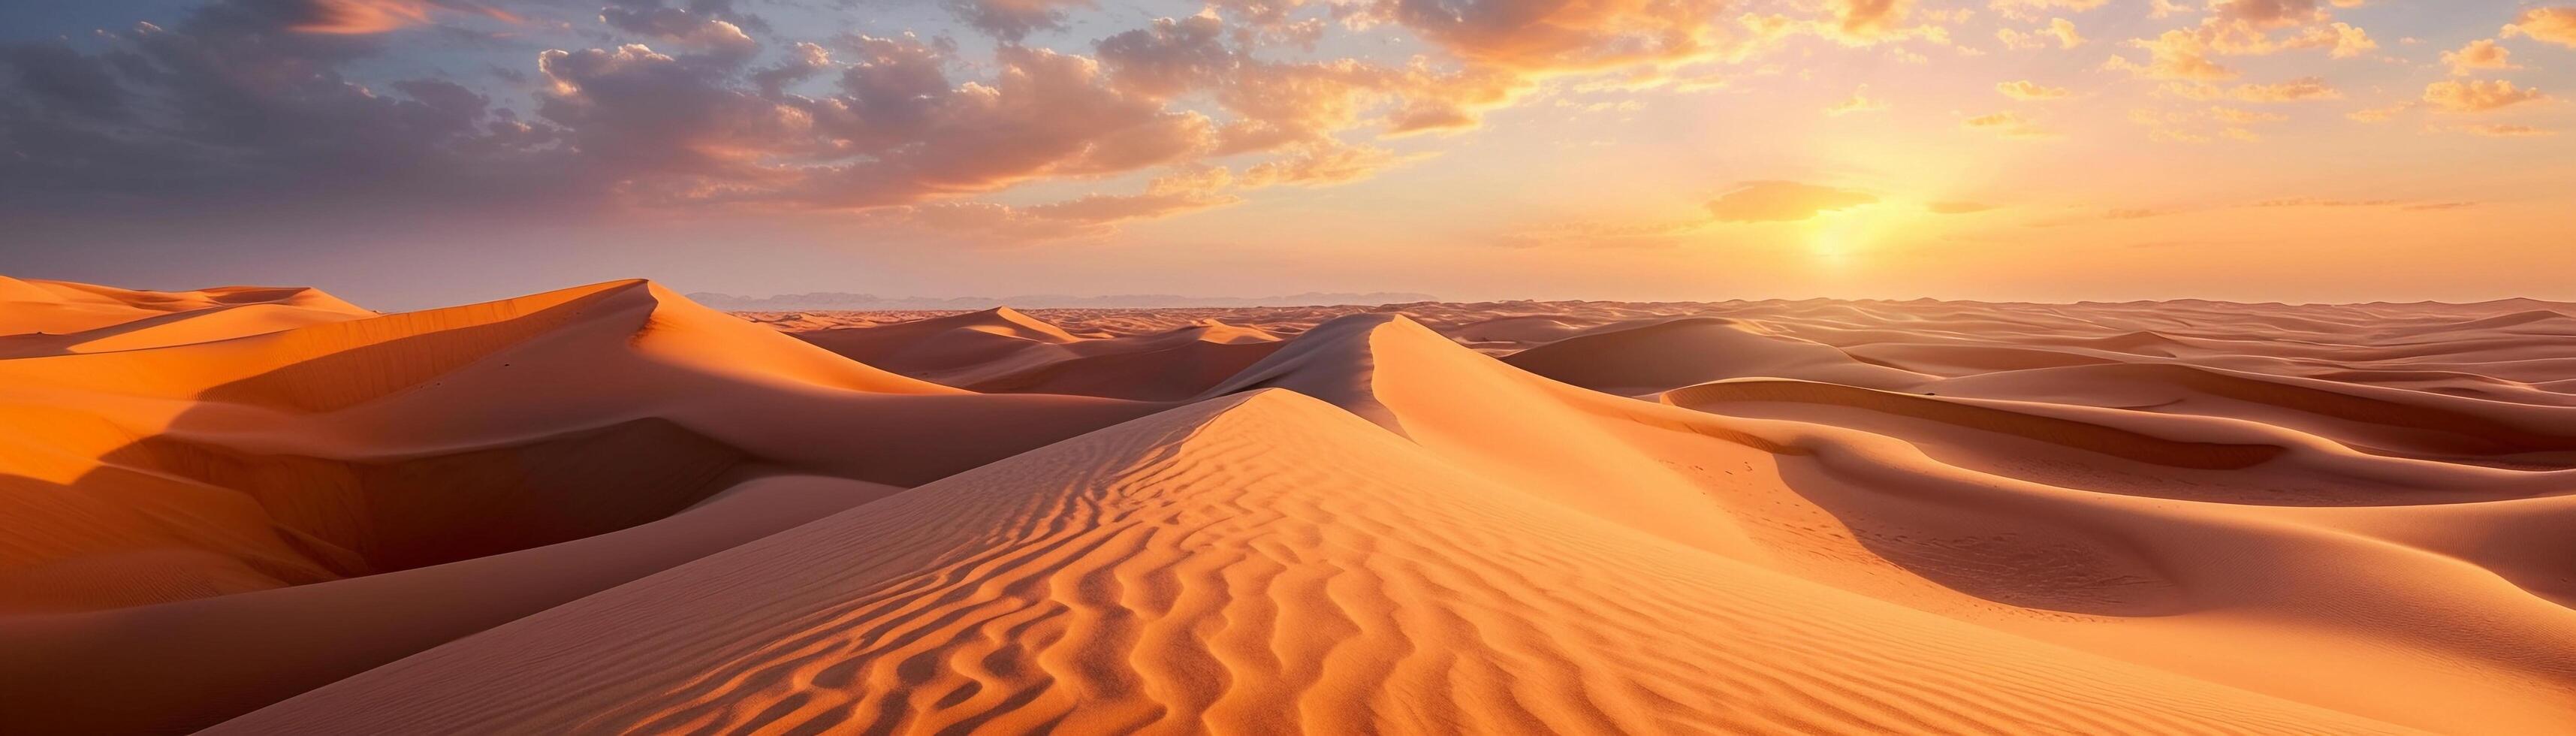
{"x": 49, "y": 317}
{"x": 1254, "y": 563}
{"x": 403, "y": 440}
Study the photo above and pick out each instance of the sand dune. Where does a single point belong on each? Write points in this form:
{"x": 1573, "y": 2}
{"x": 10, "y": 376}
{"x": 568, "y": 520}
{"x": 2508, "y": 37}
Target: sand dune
{"x": 1259, "y": 562}
{"x": 1663, "y": 354}
{"x": 608, "y": 509}
{"x": 50, "y": 317}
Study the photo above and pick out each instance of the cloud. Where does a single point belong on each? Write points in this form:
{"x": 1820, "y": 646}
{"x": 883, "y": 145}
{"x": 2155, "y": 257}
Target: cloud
{"x": 2175, "y": 54}
{"x": 2474, "y": 96}
{"x": 1088, "y": 216}
{"x": 233, "y": 103}
{"x": 2034, "y": 9}
{"x": 2060, "y": 30}
{"x": 2479, "y": 54}
{"x": 1322, "y": 162}
{"x": 2244, "y": 28}
{"x": 1782, "y": 201}
{"x": 2236, "y": 116}
{"x": 1013, "y": 20}
{"x": 1957, "y": 207}
{"x": 1277, "y": 104}
{"x": 1860, "y": 101}
{"x": 2507, "y": 131}
{"x": 722, "y": 41}
{"x": 376, "y": 16}
{"x": 1559, "y": 35}
{"x": 235, "y": 106}
{"x": 2377, "y": 114}
{"x": 55, "y": 75}
{"x": 1169, "y": 57}
{"x": 2552, "y": 25}
{"x": 2006, "y": 124}
{"x": 2273, "y": 13}
{"x": 2304, "y": 88}
{"x": 1867, "y": 19}
{"x": 2028, "y": 90}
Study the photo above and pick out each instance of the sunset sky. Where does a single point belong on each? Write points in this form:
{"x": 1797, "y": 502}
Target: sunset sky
{"x": 410, "y": 153}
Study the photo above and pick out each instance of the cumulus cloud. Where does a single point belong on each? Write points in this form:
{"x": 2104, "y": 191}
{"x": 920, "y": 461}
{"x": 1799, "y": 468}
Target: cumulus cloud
{"x": 1869, "y": 18}
{"x": 2552, "y": 25}
{"x": 2479, "y": 55}
{"x": 2473, "y": 96}
{"x": 241, "y": 101}
{"x": 1783, "y": 201}
{"x": 2175, "y": 54}
{"x": 722, "y": 41}
{"x": 2244, "y": 28}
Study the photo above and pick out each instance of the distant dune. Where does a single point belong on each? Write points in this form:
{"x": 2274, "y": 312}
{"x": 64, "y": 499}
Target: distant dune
{"x": 613, "y": 508}
{"x": 845, "y": 301}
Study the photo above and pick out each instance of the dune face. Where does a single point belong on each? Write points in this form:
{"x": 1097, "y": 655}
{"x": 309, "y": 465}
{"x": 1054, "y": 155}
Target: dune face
{"x": 607, "y": 509}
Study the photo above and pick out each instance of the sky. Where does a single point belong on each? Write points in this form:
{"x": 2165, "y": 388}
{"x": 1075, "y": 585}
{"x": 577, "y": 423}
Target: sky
{"x": 415, "y": 153}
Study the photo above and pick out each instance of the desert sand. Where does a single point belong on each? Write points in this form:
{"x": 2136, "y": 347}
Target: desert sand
{"x": 607, "y": 509}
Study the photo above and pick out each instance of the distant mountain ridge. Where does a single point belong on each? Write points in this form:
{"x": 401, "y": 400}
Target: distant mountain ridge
{"x": 838, "y": 300}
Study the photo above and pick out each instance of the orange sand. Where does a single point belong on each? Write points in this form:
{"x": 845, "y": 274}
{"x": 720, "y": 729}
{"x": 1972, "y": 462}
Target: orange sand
{"x": 606, "y": 509}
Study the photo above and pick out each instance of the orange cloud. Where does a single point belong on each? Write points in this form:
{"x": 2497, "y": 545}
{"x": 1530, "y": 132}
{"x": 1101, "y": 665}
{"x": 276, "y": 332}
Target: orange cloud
{"x": 1549, "y": 35}
{"x": 2304, "y": 88}
{"x": 2478, "y": 96}
{"x": 2006, "y": 124}
{"x": 359, "y": 17}
{"x": 2029, "y": 90}
{"x": 2507, "y": 131}
{"x": 2479, "y": 54}
{"x": 1783, "y": 201}
{"x": 2176, "y": 54}
{"x": 1091, "y": 215}
{"x": 2552, "y": 25}
{"x": 1869, "y": 18}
